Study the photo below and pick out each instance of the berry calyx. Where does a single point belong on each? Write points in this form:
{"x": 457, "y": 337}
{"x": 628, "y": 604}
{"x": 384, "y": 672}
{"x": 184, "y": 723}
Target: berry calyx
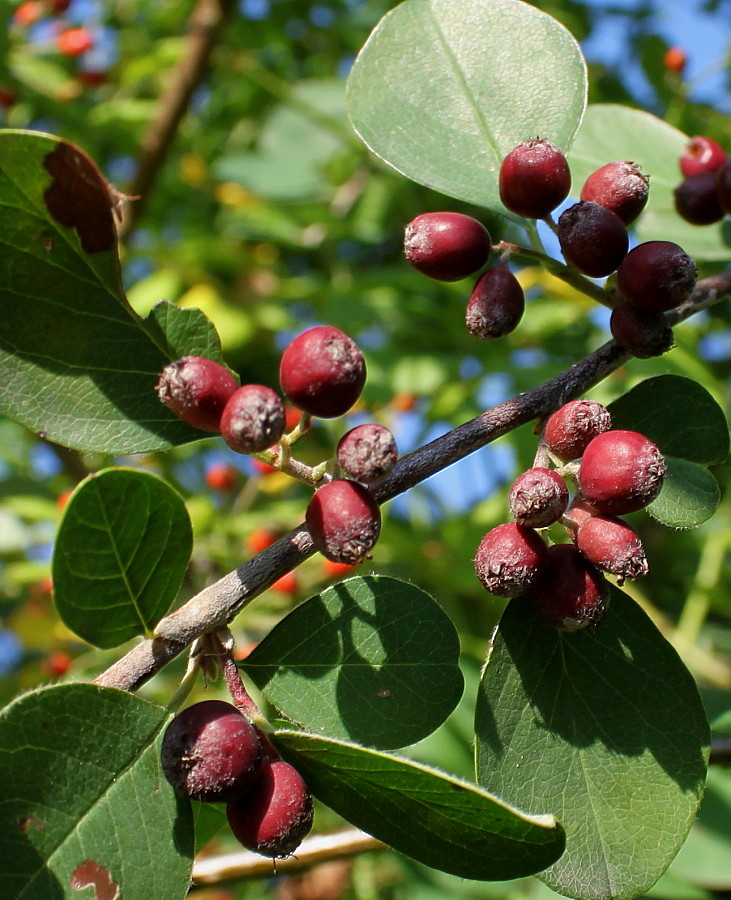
{"x": 570, "y": 429}
{"x": 276, "y": 814}
{"x": 197, "y": 390}
{"x": 696, "y": 199}
{"x": 643, "y": 333}
{"x": 253, "y": 419}
{"x": 222, "y": 476}
{"x": 322, "y": 372}
{"x": 619, "y": 187}
{"x": 593, "y": 239}
{"x": 571, "y": 593}
{"x": 613, "y": 546}
{"x": 621, "y": 471}
{"x": 367, "y": 453}
{"x": 701, "y": 154}
{"x": 344, "y": 521}
{"x": 509, "y": 559}
{"x": 538, "y": 497}
{"x": 211, "y": 752}
{"x": 656, "y": 275}
{"x": 534, "y": 179}
{"x": 446, "y": 246}
{"x": 496, "y": 305}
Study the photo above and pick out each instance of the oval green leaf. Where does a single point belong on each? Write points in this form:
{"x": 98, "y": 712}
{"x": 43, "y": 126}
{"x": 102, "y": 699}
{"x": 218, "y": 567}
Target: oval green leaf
{"x": 607, "y": 731}
{"x": 121, "y": 552}
{"x": 372, "y": 659}
{"x": 437, "y": 819}
{"x": 690, "y": 495}
{"x": 443, "y": 90}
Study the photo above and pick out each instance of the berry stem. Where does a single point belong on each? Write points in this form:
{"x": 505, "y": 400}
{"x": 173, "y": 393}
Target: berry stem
{"x": 232, "y": 676}
{"x": 189, "y": 678}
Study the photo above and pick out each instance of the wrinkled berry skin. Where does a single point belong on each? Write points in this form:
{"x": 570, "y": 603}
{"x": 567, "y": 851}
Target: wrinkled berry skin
{"x": 197, "y": 389}
{"x": 619, "y": 187}
{"x": 569, "y": 430}
{"x": 696, "y": 199}
{"x": 571, "y": 593}
{"x": 613, "y": 546}
{"x": 276, "y": 814}
{"x": 253, "y": 419}
{"x": 538, "y": 497}
{"x": 701, "y": 154}
{"x": 446, "y": 246}
{"x": 344, "y": 521}
{"x": 723, "y": 186}
{"x": 496, "y": 305}
{"x": 656, "y": 275}
{"x": 509, "y": 558}
{"x": 621, "y": 471}
{"x": 534, "y": 179}
{"x": 593, "y": 239}
{"x": 211, "y": 752}
{"x": 643, "y": 333}
{"x": 367, "y": 453}
{"x": 322, "y": 372}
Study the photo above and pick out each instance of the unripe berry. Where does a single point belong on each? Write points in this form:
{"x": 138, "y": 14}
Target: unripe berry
{"x": 344, "y": 521}
{"x": 253, "y": 419}
{"x": 534, "y": 179}
{"x": 538, "y": 497}
{"x": 619, "y": 187}
{"x": 612, "y": 545}
{"x": 211, "y": 752}
{"x": 276, "y": 814}
{"x": 367, "y": 453}
{"x": 656, "y": 275}
{"x": 570, "y": 593}
{"x": 701, "y": 154}
{"x": 569, "y": 430}
{"x": 496, "y": 305}
{"x": 643, "y": 333}
{"x": 696, "y": 199}
{"x": 509, "y": 559}
{"x": 593, "y": 239}
{"x": 723, "y": 186}
{"x": 446, "y": 246}
{"x": 323, "y": 372}
{"x": 621, "y": 471}
{"x": 196, "y": 389}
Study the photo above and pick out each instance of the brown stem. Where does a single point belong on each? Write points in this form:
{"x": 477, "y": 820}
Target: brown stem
{"x": 232, "y": 677}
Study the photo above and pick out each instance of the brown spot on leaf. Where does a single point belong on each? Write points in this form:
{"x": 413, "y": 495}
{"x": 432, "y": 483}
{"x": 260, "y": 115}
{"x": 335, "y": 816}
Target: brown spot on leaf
{"x": 91, "y": 874}
{"x": 30, "y": 821}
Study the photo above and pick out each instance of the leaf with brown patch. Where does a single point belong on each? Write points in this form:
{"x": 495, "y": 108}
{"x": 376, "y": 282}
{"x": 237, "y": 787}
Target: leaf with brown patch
{"x": 91, "y": 874}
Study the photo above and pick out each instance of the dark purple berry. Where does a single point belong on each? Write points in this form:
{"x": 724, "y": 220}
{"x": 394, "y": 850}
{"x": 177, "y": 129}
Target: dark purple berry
{"x": 344, "y": 521}
{"x": 196, "y": 389}
{"x": 538, "y": 497}
{"x": 253, "y": 419}
{"x": 446, "y": 246}
{"x": 612, "y": 545}
{"x": 534, "y": 179}
{"x": 697, "y": 201}
{"x": 496, "y": 304}
{"x": 569, "y": 430}
{"x": 643, "y": 333}
{"x": 322, "y": 372}
{"x": 593, "y": 239}
{"x": 701, "y": 154}
{"x": 656, "y": 275}
{"x": 723, "y": 186}
{"x": 571, "y": 593}
{"x": 367, "y": 453}
{"x": 619, "y": 187}
{"x": 509, "y": 559}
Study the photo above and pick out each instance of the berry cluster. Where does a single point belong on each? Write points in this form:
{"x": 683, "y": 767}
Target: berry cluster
{"x": 619, "y": 472}
{"x": 704, "y": 195}
{"x": 212, "y": 753}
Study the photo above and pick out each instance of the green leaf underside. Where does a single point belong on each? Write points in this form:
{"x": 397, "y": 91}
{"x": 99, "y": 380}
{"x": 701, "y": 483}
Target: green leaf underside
{"x": 607, "y": 731}
{"x": 120, "y": 555}
{"x": 689, "y": 496}
{"x": 443, "y": 90}
{"x": 373, "y": 659}
{"x": 438, "y": 820}
{"x": 80, "y": 782}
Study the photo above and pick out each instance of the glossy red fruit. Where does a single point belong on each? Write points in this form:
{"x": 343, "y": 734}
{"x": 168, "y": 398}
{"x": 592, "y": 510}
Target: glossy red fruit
{"x": 613, "y": 546}
{"x": 496, "y": 305}
{"x": 211, "y": 752}
{"x": 619, "y": 187}
{"x": 222, "y": 476}
{"x": 509, "y": 558}
{"x": 446, "y": 246}
{"x": 534, "y": 179}
{"x": 656, "y": 275}
{"x": 643, "y": 333}
{"x": 571, "y": 593}
{"x": 323, "y": 372}
{"x": 253, "y": 419}
{"x": 538, "y": 497}
{"x": 697, "y": 201}
{"x": 621, "y": 471}
{"x": 367, "y": 453}
{"x": 344, "y": 521}
{"x": 74, "y": 41}
{"x": 701, "y": 154}
{"x": 569, "y": 430}
{"x": 593, "y": 239}
{"x": 197, "y": 390}
{"x": 723, "y": 186}
{"x": 276, "y": 814}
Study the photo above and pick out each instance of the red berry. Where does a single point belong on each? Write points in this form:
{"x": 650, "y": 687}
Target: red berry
{"x": 344, "y": 521}
{"x": 701, "y": 154}
{"x": 538, "y": 497}
{"x": 509, "y": 559}
{"x": 263, "y": 468}
{"x": 570, "y": 593}
{"x": 8, "y": 97}
{"x": 222, "y": 476}
{"x": 197, "y": 390}
{"x": 621, "y": 471}
{"x": 612, "y": 545}
{"x": 446, "y": 246}
{"x": 576, "y": 515}
{"x": 260, "y": 539}
{"x": 674, "y": 59}
{"x": 569, "y": 430}
{"x": 619, "y": 187}
{"x": 367, "y": 453}
{"x": 63, "y": 498}
{"x": 656, "y": 275}
{"x": 286, "y": 584}
{"x": 697, "y": 201}
{"x": 323, "y": 372}
{"x": 29, "y": 12}
{"x": 593, "y": 239}
{"x": 723, "y": 186}
{"x": 496, "y": 304}
{"x": 292, "y": 417}
{"x": 211, "y": 752}
{"x": 253, "y": 419}
{"x": 643, "y": 333}
{"x": 534, "y": 179}
{"x": 276, "y": 814}
{"x": 56, "y": 664}
{"x": 74, "y": 41}
{"x": 332, "y": 569}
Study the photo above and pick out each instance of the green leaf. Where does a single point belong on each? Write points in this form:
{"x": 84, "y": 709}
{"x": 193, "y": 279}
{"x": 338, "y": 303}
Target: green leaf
{"x": 607, "y": 731}
{"x": 689, "y": 496}
{"x": 437, "y": 819}
{"x": 372, "y": 659}
{"x": 184, "y": 332}
{"x": 82, "y": 791}
{"x": 443, "y": 90}
{"x": 121, "y": 552}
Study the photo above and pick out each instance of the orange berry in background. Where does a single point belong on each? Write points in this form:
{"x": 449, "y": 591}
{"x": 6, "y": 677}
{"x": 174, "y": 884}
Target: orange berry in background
{"x": 74, "y": 41}
{"x": 287, "y": 584}
{"x": 28, "y": 13}
{"x": 674, "y": 59}
{"x": 260, "y": 539}
{"x": 56, "y": 664}
{"x": 292, "y": 417}
{"x": 403, "y": 402}
{"x": 262, "y": 468}
{"x": 332, "y": 569}
{"x": 63, "y": 498}
{"x": 245, "y": 650}
{"x": 222, "y": 476}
